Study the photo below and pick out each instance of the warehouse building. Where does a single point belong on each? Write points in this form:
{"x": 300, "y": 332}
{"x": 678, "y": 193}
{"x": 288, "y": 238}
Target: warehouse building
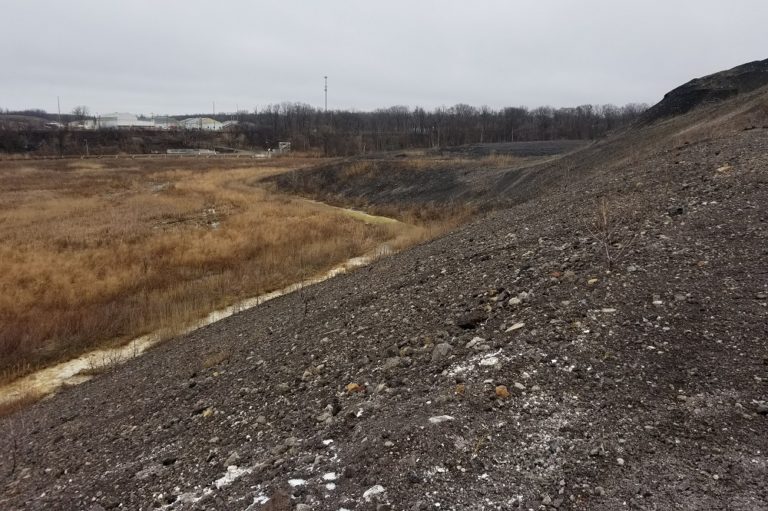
{"x": 122, "y": 120}
{"x": 201, "y": 123}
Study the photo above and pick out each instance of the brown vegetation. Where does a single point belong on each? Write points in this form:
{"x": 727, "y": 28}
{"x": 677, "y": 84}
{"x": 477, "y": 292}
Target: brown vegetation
{"x": 11, "y": 407}
{"x": 96, "y": 251}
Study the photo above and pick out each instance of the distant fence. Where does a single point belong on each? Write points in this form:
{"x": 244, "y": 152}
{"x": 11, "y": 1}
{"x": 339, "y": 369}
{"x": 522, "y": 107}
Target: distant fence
{"x": 186, "y": 152}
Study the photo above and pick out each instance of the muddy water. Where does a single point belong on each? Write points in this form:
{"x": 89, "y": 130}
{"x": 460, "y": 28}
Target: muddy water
{"x": 78, "y": 370}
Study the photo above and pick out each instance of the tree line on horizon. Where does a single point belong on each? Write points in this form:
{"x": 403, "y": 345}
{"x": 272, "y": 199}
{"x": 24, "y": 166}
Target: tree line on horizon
{"x": 345, "y": 132}
{"x": 401, "y": 127}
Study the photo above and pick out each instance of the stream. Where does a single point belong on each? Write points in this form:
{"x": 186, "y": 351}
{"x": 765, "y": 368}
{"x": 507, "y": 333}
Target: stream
{"x": 82, "y": 368}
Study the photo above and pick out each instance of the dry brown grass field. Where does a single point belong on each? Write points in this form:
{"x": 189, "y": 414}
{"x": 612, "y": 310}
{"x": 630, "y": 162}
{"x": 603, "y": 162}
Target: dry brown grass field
{"x": 95, "y": 252}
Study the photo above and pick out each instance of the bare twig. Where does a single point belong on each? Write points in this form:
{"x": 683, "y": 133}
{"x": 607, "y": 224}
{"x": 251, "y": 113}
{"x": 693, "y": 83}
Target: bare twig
{"x": 605, "y": 229}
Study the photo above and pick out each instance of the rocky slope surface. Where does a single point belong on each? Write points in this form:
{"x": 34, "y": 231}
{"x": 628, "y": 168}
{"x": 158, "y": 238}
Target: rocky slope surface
{"x": 448, "y": 176}
{"x": 710, "y": 89}
{"x": 599, "y": 346}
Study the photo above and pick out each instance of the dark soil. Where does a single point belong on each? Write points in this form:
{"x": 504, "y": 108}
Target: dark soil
{"x": 598, "y": 345}
{"x": 710, "y": 89}
{"x": 449, "y": 176}
{"x": 522, "y": 149}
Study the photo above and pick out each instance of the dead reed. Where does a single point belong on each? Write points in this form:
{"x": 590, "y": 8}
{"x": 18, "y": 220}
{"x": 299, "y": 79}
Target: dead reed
{"x": 98, "y": 252}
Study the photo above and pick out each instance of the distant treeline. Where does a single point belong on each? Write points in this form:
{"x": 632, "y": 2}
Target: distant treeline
{"x": 399, "y": 127}
{"x": 341, "y": 132}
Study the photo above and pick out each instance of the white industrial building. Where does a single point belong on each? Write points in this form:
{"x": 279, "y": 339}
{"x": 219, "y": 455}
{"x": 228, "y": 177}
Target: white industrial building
{"x": 201, "y": 123}
{"x": 84, "y": 124}
{"x": 163, "y": 122}
{"x": 122, "y": 120}
{"x": 127, "y": 120}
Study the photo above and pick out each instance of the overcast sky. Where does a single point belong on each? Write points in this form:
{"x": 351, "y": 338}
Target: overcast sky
{"x": 179, "y": 56}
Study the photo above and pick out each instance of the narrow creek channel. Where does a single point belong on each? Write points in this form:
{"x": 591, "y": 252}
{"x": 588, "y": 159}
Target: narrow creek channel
{"x": 82, "y": 368}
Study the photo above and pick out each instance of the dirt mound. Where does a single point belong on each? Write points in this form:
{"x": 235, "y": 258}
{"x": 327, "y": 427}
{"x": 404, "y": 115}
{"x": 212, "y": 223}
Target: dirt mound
{"x": 709, "y": 89}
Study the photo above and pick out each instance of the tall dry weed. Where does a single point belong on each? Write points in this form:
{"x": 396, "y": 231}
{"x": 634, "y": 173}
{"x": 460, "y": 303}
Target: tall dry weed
{"x": 93, "y": 255}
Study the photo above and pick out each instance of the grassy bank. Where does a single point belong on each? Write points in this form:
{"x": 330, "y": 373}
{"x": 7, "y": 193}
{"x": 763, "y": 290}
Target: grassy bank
{"x": 96, "y": 252}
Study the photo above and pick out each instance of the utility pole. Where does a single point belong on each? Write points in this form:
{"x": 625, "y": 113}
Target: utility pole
{"x": 326, "y": 94}
{"x": 58, "y": 105}
{"x": 214, "y": 108}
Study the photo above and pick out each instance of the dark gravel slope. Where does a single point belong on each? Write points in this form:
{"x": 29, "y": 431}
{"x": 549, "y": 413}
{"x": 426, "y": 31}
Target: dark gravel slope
{"x": 710, "y": 89}
{"x": 512, "y": 364}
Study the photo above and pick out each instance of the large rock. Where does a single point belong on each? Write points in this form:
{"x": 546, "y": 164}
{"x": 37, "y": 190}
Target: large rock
{"x": 441, "y": 352}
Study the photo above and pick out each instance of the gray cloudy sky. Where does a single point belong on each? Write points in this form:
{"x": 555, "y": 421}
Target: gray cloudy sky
{"x": 176, "y": 56}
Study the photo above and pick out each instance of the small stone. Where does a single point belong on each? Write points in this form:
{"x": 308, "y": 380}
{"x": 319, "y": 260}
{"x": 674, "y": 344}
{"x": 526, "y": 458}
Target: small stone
{"x": 516, "y": 326}
{"x": 514, "y": 301}
{"x": 474, "y": 342}
{"x": 151, "y": 471}
{"x": 261, "y": 419}
{"x": 207, "y": 412}
{"x": 373, "y": 492}
{"x": 489, "y": 361}
{"x": 620, "y": 461}
{"x": 460, "y": 388}
{"x": 762, "y": 409}
{"x": 471, "y": 320}
{"x": 592, "y": 281}
{"x": 502, "y": 392}
{"x": 675, "y": 211}
{"x": 303, "y": 507}
{"x": 353, "y": 387}
{"x": 214, "y": 440}
{"x": 233, "y": 459}
{"x": 519, "y": 386}
{"x": 441, "y": 352}
{"x": 440, "y": 418}
{"x": 391, "y": 363}
{"x": 599, "y": 490}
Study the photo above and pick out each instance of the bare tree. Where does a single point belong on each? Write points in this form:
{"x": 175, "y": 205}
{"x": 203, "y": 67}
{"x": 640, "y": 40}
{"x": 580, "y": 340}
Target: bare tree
{"x": 81, "y": 112}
